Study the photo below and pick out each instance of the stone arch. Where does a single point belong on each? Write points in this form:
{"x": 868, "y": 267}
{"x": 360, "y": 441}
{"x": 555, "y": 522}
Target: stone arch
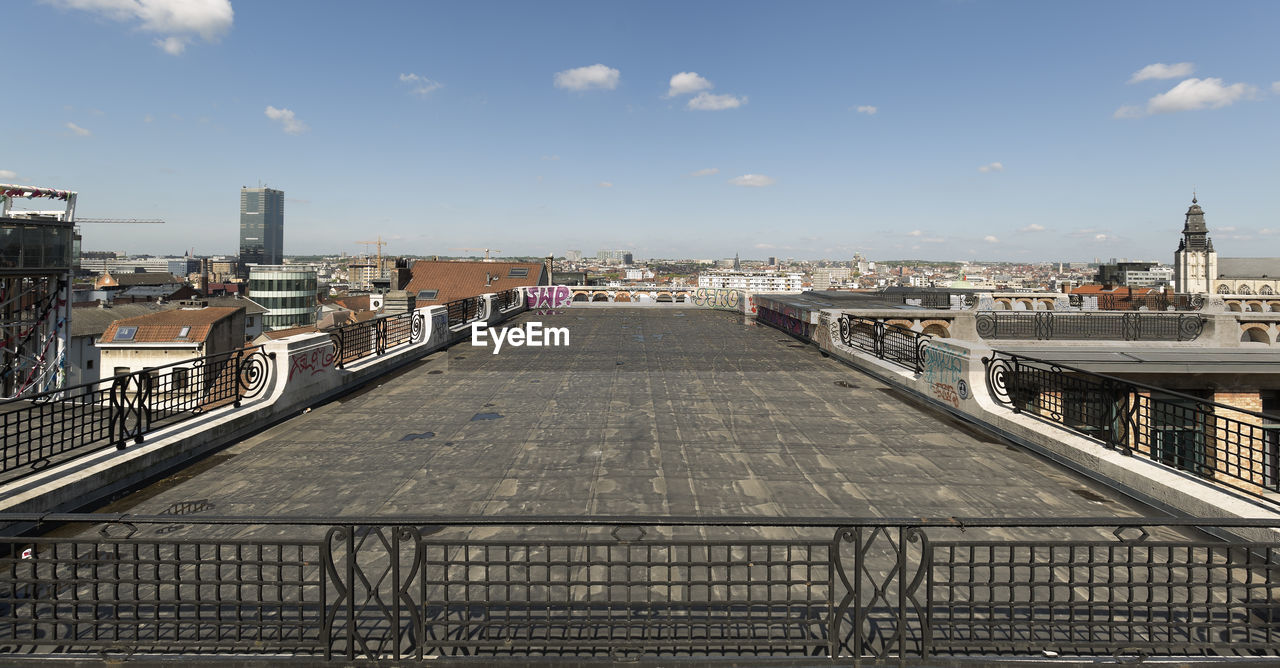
{"x": 906, "y": 324}
{"x": 1234, "y": 305}
{"x": 580, "y": 297}
{"x": 1266, "y": 290}
{"x": 1048, "y": 304}
{"x": 1224, "y": 289}
{"x": 664, "y": 297}
{"x": 681, "y": 297}
{"x": 1254, "y": 334}
{"x": 600, "y": 297}
{"x": 621, "y": 297}
{"x": 936, "y": 328}
{"x": 1244, "y": 289}
{"x": 1274, "y": 307}
{"x": 1256, "y": 306}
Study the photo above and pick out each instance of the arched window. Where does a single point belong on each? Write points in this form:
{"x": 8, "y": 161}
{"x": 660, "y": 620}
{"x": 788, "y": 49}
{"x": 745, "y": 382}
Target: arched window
{"x": 1224, "y": 289}
{"x": 1244, "y": 290}
{"x": 1266, "y": 290}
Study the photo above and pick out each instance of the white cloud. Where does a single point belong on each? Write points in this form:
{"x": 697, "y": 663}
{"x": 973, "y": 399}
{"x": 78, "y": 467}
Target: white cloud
{"x": 178, "y": 20}
{"x": 587, "y": 78}
{"x": 148, "y": 118}
{"x": 710, "y": 171}
{"x": 991, "y": 239}
{"x": 1191, "y": 95}
{"x": 291, "y": 124}
{"x": 1033, "y": 227}
{"x": 991, "y": 167}
{"x": 687, "y": 82}
{"x": 1102, "y": 237}
{"x": 867, "y": 109}
{"x": 1194, "y": 94}
{"x": 551, "y": 157}
{"x": 752, "y": 180}
{"x": 605, "y": 184}
{"x": 1163, "y": 71}
{"x": 420, "y": 85}
{"x": 1275, "y": 87}
{"x": 81, "y": 132}
{"x": 708, "y": 102}
{"x": 173, "y": 46}
{"x": 8, "y": 174}
{"x": 915, "y": 233}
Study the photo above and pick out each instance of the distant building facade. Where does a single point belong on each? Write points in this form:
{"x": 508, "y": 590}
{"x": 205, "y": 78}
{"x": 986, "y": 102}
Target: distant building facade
{"x": 614, "y": 257}
{"x": 752, "y": 281}
{"x": 288, "y": 293}
{"x": 261, "y": 226}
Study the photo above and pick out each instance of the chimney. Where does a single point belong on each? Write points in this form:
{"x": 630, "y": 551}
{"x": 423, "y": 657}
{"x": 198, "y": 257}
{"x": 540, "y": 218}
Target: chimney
{"x": 550, "y": 259}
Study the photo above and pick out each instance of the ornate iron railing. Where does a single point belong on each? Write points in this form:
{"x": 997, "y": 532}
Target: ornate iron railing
{"x": 939, "y": 300}
{"x": 1149, "y": 302}
{"x": 889, "y": 342}
{"x": 462, "y": 311}
{"x": 1235, "y": 447}
{"x": 52, "y": 427}
{"x": 1096, "y": 326}
{"x": 507, "y": 299}
{"x": 376, "y": 336}
{"x": 415, "y": 588}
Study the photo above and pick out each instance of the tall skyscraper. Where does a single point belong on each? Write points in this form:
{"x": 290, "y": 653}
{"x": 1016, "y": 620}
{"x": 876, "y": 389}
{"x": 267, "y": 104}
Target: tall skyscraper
{"x": 261, "y": 226}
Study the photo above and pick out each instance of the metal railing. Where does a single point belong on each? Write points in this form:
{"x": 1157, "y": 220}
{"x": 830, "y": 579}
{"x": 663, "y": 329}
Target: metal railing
{"x": 1150, "y": 302}
{"x": 376, "y": 336}
{"x": 1130, "y": 326}
{"x": 417, "y": 588}
{"x": 462, "y": 311}
{"x": 1235, "y": 447}
{"x": 892, "y": 343}
{"x": 52, "y": 427}
{"x": 507, "y": 299}
{"x": 939, "y": 300}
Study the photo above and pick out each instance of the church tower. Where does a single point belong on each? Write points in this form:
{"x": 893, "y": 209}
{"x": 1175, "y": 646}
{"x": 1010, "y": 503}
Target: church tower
{"x": 1195, "y": 264}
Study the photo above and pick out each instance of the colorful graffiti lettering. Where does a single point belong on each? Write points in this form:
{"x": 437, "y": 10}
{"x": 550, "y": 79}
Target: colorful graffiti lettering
{"x": 717, "y": 298}
{"x": 946, "y": 393}
{"x": 783, "y": 322}
{"x": 943, "y": 363}
{"x": 317, "y": 360}
{"x": 549, "y": 296}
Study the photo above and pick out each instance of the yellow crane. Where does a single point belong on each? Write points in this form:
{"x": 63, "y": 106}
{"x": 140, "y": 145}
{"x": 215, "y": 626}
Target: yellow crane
{"x": 379, "y": 243}
{"x": 486, "y": 251}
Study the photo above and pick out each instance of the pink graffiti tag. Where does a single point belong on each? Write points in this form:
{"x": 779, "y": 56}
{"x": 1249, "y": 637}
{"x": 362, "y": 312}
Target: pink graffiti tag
{"x": 316, "y": 361}
{"x": 549, "y": 296}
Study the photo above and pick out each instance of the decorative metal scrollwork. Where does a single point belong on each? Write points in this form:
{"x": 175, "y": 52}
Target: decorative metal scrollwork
{"x": 999, "y": 371}
{"x": 1190, "y": 327}
{"x": 374, "y": 571}
{"x": 986, "y": 325}
{"x": 1043, "y": 325}
{"x": 1076, "y": 301}
{"x": 1196, "y": 302}
{"x": 1130, "y": 326}
{"x": 252, "y": 371}
{"x": 336, "y": 337}
{"x": 417, "y": 327}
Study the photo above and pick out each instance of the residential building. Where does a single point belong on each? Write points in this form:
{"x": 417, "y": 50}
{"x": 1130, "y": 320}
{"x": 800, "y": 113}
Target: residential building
{"x": 173, "y": 336}
{"x": 261, "y": 226}
{"x": 614, "y": 257}
{"x": 753, "y": 281}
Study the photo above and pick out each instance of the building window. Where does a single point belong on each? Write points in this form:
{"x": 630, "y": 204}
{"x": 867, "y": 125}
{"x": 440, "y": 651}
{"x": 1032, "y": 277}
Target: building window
{"x": 180, "y": 378}
{"x": 88, "y": 364}
{"x": 122, "y": 371}
{"x": 1178, "y": 434}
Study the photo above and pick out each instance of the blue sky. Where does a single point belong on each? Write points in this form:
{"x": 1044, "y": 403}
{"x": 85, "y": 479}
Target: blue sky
{"x": 939, "y": 130}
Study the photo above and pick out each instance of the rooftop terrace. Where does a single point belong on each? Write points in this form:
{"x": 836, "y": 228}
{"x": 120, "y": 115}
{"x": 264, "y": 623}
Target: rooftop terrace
{"x": 646, "y": 412}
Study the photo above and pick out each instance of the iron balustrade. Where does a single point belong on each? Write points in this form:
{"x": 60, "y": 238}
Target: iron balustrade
{"x": 889, "y": 342}
{"x": 938, "y": 300}
{"x": 375, "y": 337}
{"x": 52, "y": 427}
{"x": 417, "y": 588}
{"x": 507, "y": 299}
{"x": 1232, "y": 446}
{"x": 1132, "y": 326}
{"x": 463, "y": 311}
{"x": 1150, "y": 302}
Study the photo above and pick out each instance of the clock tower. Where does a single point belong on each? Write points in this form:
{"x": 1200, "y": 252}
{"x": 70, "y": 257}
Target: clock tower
{"x": 1195, "y": 264}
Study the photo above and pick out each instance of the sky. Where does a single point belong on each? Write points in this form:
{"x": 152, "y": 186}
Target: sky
{"x": 936, "y": 129}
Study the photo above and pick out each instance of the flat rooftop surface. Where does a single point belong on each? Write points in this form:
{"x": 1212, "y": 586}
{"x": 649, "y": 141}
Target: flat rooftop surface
{"x": 645, "y": 412}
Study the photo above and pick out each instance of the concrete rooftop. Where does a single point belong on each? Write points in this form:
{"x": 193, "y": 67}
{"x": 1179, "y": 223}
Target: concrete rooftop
{"x": 663, "y": 412}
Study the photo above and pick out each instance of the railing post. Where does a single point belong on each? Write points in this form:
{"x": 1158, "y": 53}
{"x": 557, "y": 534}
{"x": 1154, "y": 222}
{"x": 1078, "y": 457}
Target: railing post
{"x": 877, "y": 339}
{"x": 380, "y": 336}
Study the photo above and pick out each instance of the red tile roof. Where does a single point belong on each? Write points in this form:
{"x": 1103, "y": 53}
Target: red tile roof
{"x": 165, "y": 326}
{"x": 456, "y": 280}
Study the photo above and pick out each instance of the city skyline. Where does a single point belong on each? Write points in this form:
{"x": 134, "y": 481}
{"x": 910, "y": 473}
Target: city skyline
{"x": 944, "y": 131}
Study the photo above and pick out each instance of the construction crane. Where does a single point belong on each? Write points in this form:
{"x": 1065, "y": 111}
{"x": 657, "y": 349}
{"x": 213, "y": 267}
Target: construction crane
{"x": 122, "y": 221}
{"x": 486, "y": 251}
{"x": 379, "y": 243}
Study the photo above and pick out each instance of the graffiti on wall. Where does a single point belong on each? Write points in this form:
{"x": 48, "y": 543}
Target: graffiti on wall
{"x": 717, "y": 298}
{"x": 311, "y": 362}
{"x": 944, "y": 372}
{"x": 549, "y": 296}
{"x": 439, "y": 323}
{"x": 783, "y": 322}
